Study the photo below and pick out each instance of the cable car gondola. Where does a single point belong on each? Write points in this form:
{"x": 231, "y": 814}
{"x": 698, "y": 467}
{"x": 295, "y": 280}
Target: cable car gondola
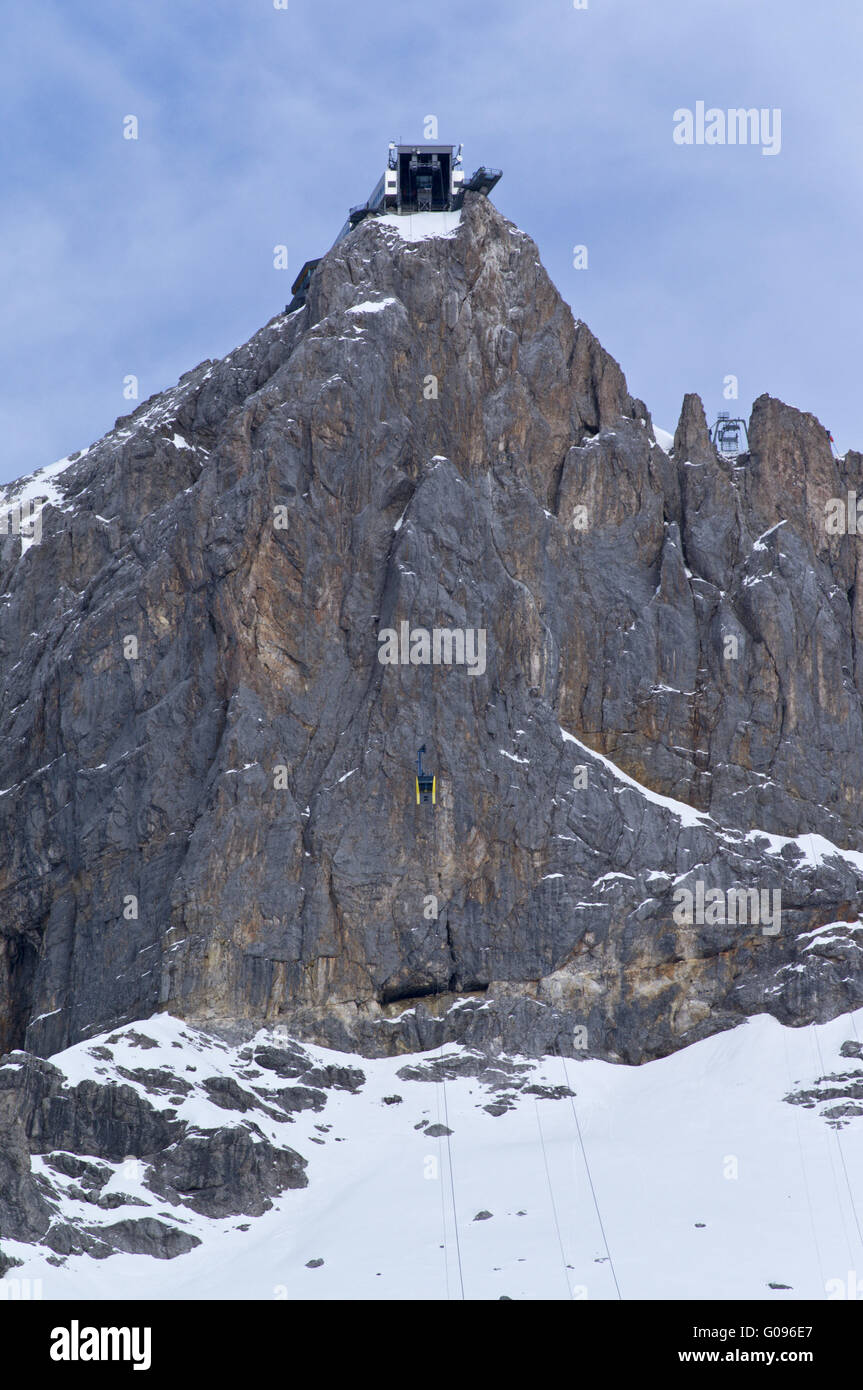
{"x": 426, "y": 783}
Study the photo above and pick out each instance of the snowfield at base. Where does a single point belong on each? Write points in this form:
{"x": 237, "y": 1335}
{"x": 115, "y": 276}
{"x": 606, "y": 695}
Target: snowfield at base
{"x": 418, "y": 226}
{"x": 662, "y": 1142}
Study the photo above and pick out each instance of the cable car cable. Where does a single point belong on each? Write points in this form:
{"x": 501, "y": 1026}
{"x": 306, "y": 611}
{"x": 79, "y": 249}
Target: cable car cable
{"x": 553, "y": 1203}
{"x": 590, "y": 1180}
{"x": 442, "y": 1195}
{"x": 791, "y": 1084}
{"x": 839, "y": 1147}
{"x": 452, "y": 1185}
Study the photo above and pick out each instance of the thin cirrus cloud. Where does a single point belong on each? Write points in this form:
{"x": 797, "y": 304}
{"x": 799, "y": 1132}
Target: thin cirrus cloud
{"x": 261, "y": 126}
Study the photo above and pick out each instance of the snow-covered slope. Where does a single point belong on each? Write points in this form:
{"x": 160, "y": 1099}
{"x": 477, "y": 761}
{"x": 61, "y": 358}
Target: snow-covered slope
{"x": 731, "y": 1169}
{"x": 418, "y": 226}
{"x": 664, "y": 438}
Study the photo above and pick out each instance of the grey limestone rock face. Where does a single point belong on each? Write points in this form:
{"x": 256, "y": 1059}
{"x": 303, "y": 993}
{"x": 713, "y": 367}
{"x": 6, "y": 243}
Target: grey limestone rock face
{"x": 146, "y": 1236}
{"x": 225, "y": 1173}
{"x": 207, "y": 774}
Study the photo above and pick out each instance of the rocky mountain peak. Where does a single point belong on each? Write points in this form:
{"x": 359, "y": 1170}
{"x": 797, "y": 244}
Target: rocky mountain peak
{"x": 692, "y": 436}
{"x": 424, "y": 510}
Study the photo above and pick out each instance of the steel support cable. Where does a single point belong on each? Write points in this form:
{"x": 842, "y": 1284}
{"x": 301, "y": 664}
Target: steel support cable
{"x": 452, "y": 1186}
{"x": 553, "y": 1203}
{"x": 443, "y": 1199}
{"x": 791, "y": 1084}
{"x": 839, "y": 1147}
{"x": 590, "y": 1180}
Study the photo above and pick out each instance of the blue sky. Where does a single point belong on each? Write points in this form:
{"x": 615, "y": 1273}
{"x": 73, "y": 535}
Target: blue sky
{"x": 260, "y": 126}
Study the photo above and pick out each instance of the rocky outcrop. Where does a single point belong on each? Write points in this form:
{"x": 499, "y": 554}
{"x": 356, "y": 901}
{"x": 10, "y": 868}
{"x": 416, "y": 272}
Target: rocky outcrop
{"x": 78, "y": 1158}
{"x": 206, "y": 774}
{"x": 114, "y": 1122}
{"x": 24, "y": 1213}
{"x": 228, "y": 1173}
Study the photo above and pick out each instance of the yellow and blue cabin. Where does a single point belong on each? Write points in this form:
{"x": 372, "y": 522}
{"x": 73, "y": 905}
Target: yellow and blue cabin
{"x": 426, "y": 783}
